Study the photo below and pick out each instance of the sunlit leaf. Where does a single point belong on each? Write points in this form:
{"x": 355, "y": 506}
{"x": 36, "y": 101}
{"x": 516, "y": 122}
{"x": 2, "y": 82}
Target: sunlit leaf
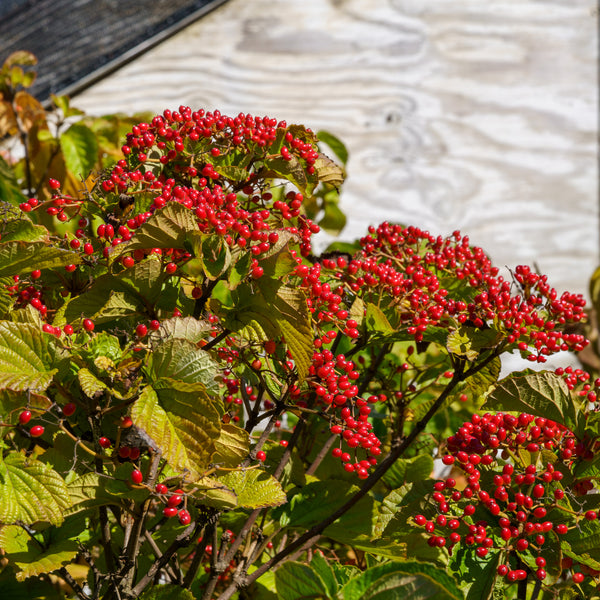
{"x": 31, "y": 491}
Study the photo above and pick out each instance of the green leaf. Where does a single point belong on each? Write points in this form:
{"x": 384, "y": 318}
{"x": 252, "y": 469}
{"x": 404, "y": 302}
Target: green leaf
{"x": 469, "y": 342}
{"x": 10, "y": 190}
{"x": 166, "y": 592}
{"x": 336, "y": 145}
{"x": 183, "y": 422}
{"x": 183, "y": 360}
{"x": 232, "y": 446}
{"x": 295, "y": 581}
{"x": 18, "y": 257}
{"x": 80, "y": 149}
{"x": 215, "y": 254}
{"x": 31, "y": 491}
{"x": 483, "y": 586}
{"x": 292, "y": 170}
{"x": 30, "y": 589}
{"x": 333, "y": 219}
{"x": 24, "y": 230}
{"x": 325, "y": 571}
{"x": 30, "y": 557}
{"x": 254, "y": 488}
{"x": 376, "y": 321}
{"x": 408, "y": 580}
{"x": 542, "y": 393}
{"x": 168, "y": 227}
{"x": 408, "y": 470}
{"x": 184, "y": 328}
{"x": 291, "y": 314}
{"x": 25, "y": 358}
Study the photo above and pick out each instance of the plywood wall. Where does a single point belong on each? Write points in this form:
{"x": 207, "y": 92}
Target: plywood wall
{"x": 465, "y": 114}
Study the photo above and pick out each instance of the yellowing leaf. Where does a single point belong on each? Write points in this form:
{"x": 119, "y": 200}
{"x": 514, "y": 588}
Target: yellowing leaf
{"x": 31, "y": 491}
{"x": 254, "y": 488}
{"x": 183, "y": 422}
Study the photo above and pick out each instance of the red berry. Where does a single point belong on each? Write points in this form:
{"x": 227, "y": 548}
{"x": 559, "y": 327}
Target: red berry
{"x": 126, "y": 422}
{"x": 68, "y": 329}
{"x": 25, "y": 417}
{"x": 260, "y": 455}
{"x": 104, "y": 442}
{"x": 171, "y": 268}
{"x": 590, "y": 515}
{"x": 136, "y": 476}
{"x": 184, "y": 517}
{"x": 161, "y": 488}
{"x": 256, "y": 364}
{"x": 170, "y": 511}
{"x": 36, "y": 431}
{"x": 578, "y": 577}
{"x": 88, "y": 325}
{"x": 36, "y": 274}
{"x": 128, "y": 262}
{"x": 88, "y": 249}
{"x": 69, "y": 409}
{"x": 54, "y": 184}
{"x": 175, "y": 500}
{"x": 141, "y": 330}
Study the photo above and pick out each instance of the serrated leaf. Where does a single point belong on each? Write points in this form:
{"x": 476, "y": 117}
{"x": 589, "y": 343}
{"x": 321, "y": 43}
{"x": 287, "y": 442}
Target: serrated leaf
{"x": 168, "y": 227}
{"x": 295, "y": 580}
{"x": 541, "y": 393}
{"x": 30, "y": 557}
{"x": 291, "y": 169}
{"x": 408, "y": 580}
{"x": 31, "y": 491}
{"x": 182, "y": 360}
{"x": 90, "y": 384}
{"x": 469, "y": 342}
{"x": 24, "y": 230}
{"x": 328, "y": 171}
{"x": 211, "y": 492}
{"x": 254, "y": 488}
{"x": 231, "y": 446}
{"x": 18, "y": 257}
{"x": 184, "y": 328}
{"x": 184, "y": 424}
{"x": 24, "y": 358}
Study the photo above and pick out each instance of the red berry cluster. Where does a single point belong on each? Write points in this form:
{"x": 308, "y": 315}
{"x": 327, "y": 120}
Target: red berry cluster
{"x": 508, "y": 502}
{"x": 410, "y": 266}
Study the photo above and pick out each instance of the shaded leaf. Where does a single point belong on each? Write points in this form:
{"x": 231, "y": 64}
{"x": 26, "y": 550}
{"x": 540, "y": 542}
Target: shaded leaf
{"x": 408, "y": 580}
{"x": 166, "y": 592}
{"x": 295, "y": 580}
{"x": 541, "y": 393}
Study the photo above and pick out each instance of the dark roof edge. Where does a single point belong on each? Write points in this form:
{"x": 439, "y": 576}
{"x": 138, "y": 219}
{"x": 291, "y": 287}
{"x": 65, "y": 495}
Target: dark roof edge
{"x": 130, "y": 55}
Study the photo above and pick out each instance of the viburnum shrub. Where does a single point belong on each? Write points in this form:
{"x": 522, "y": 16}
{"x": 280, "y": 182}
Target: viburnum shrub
{"x": 195, "y": 405}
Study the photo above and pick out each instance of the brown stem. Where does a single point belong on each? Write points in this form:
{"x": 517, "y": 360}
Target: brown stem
{"x": 183, "y": 539}
{"x": 321, "y": 455}
{"x": 64, "y": 574}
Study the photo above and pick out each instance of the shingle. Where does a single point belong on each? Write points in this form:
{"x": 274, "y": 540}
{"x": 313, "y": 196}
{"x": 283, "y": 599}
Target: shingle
{"x": 79, "y": 41}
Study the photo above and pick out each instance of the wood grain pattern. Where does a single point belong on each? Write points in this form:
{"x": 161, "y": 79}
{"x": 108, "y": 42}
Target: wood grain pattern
{"x": 473, "y": 115}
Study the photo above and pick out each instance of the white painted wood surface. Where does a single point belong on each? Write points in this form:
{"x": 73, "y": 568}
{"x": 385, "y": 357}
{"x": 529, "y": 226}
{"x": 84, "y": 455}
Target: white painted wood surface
{"x": 464, "y": 114}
